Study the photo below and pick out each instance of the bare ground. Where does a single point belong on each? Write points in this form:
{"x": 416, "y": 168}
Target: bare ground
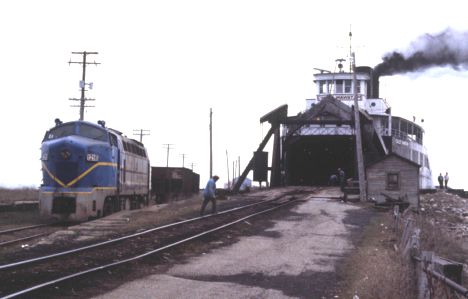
{"x": 374, "y": 269}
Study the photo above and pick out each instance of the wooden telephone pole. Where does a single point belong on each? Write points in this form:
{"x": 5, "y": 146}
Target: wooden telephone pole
{"x": 141, "y": 133}
{"x": 211, "y": 143}
{"x": 168, "y": 147}
{"x": 357, "y": 128}
{"x": 83, "y": 81}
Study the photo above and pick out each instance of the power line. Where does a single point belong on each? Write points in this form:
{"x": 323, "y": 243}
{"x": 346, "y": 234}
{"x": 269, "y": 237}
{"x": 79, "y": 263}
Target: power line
{"x": 83, "y": 83}
{"x": 141, "y": 133}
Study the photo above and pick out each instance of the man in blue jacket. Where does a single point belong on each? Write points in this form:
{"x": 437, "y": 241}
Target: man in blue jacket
{"x": 209, "y": 195}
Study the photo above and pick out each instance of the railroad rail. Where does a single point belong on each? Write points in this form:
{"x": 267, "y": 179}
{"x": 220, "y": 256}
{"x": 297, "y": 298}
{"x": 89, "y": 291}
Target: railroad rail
{"x": 15, "y": 231}
{"x": 30, "y": 266}
{"x": 4, "y": 243}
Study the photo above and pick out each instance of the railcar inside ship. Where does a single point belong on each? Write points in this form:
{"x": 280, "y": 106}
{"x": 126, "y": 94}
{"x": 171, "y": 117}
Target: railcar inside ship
{"x": 311, "y": 160}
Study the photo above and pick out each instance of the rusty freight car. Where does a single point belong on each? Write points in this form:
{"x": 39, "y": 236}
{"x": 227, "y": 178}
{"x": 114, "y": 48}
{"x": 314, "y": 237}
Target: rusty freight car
{"x": 173, "y": 183}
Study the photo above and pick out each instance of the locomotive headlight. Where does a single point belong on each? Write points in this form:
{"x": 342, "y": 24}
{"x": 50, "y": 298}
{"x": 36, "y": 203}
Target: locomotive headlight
{"x": 90, "y": 157}
{"x": 44, "y": 156}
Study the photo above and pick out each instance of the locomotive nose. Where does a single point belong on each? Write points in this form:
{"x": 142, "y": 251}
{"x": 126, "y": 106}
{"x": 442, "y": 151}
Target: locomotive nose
{"x": 66, "y": 150}
{"x": 64, "y": 156}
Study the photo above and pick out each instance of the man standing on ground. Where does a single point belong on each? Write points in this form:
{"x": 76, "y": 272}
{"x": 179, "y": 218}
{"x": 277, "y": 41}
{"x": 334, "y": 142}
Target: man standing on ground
{"x": 441, "y": 181}
{"x": 209, "y": 195}
{"x": 446, "y": 178}
{"x": 341, "y": 178}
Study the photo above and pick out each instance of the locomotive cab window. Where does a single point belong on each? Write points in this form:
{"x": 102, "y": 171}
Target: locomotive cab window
{"x": 93, "y": 132}
{"x": 113, "y": 140}
{"x": 61, "y": 131}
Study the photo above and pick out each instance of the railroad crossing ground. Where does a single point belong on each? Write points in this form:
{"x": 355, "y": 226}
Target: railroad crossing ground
{"x": 295, "y": 256}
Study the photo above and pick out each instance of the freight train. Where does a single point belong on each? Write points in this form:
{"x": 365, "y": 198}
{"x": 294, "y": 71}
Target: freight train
{"x": 91, "y": 171}
{"x": 172, "y": 183}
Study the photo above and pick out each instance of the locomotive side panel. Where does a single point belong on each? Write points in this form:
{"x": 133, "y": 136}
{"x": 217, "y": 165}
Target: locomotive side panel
{"x": 134, "y": 168}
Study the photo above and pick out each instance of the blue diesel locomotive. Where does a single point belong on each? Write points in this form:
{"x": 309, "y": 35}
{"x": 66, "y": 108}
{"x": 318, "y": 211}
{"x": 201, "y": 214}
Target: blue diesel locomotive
{"x": 91, "y": 171}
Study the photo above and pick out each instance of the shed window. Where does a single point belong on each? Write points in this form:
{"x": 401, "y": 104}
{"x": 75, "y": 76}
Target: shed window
{"x": 393, "y": 181}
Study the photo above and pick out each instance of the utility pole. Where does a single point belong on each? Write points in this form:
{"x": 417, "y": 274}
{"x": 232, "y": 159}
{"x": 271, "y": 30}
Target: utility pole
{"x": 183, "y": 160}
{"x": 357, "y": 125}
{"x": 83, "y": 81}
{"x": 191, "y": 165}
{"x": 227, "y": 165}
{"x": 141, "y": 133}
{"x": 234, "y": 170}
{"x": 211, "y": 143}
{"x": 168, "y": 148}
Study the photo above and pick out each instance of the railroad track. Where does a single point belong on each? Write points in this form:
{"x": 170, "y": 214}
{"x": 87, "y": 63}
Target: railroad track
{"x": 26, "y": 276}
{"x": 17, "y": 234}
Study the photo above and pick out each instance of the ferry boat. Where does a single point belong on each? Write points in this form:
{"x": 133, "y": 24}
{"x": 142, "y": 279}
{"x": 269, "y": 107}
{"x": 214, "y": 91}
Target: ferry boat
{"x": 321, "y": 139}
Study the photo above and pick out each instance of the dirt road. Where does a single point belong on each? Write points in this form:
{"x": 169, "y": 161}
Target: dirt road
{"x": 295, "y": 255}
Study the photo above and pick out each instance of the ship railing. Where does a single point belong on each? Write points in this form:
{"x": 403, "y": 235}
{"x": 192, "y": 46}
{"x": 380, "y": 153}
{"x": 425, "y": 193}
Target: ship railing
{"x": 400, "y": 135}
{"x": 314, "y": 130}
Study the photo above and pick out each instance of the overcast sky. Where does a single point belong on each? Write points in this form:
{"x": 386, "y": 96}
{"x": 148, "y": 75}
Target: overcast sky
{"x": 164, "y": 64}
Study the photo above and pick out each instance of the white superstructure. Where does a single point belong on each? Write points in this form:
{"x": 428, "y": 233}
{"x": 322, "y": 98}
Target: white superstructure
{"x": 401, "y": 136}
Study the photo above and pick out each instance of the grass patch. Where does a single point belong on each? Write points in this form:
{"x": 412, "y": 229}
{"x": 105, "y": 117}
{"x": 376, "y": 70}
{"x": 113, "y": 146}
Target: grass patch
{"x": 375, "y": 269}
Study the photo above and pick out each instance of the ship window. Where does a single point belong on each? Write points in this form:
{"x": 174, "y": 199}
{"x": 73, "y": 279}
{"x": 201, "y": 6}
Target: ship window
{"x": 347, "y": 86}
{"x": 393, "y": 181}
{"x": 339, "y": 86}
{"x": 358, "y": 89}
{"x": 322, "y": 85}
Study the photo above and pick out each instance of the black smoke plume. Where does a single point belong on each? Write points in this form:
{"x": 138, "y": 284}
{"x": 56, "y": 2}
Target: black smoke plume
{"x": 449, "y": 48}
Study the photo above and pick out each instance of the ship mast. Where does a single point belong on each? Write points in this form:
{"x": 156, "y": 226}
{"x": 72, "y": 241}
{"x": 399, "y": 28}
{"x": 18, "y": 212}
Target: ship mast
{"x": 350, "y": 50}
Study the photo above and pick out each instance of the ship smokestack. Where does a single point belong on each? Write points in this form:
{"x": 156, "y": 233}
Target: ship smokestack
{"x": 375, "y": 85}
{"x": 448, "y": 48}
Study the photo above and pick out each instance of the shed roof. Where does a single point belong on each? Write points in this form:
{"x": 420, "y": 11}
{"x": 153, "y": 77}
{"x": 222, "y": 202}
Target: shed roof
{"x": 395, "y": 155}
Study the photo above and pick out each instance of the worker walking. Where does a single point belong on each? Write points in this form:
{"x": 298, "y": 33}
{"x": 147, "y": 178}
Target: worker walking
{"x": 209, "y": 194}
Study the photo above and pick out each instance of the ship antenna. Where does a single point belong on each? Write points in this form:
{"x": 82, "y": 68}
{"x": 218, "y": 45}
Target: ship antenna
{"x": 350, "y": 49}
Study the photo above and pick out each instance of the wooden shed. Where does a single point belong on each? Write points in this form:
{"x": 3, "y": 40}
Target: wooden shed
{"x": 393, "y": 177}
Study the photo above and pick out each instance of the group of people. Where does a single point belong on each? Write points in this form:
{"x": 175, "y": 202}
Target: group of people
{"x": 209, "y": 194}
{"x": 443, "y": 180}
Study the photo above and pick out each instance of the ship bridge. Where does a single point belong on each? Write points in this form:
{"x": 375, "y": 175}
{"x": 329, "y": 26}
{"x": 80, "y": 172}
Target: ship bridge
{"x": 341, "y": 86}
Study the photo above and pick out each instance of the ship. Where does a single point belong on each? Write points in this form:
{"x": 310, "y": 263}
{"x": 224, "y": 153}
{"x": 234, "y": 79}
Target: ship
{"x": 321, "y": 139}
